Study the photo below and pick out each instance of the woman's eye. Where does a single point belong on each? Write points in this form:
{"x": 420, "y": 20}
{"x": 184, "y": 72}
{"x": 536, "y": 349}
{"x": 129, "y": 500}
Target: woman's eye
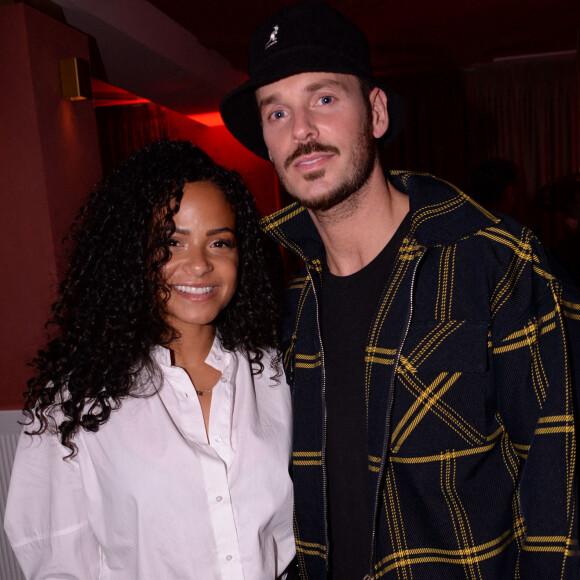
{"x": 224, "y": 244}
{"x": 173, "y": 243}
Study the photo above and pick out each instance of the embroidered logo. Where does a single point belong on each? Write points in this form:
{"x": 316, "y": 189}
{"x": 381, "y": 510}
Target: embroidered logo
{"x": 273, "y": 38}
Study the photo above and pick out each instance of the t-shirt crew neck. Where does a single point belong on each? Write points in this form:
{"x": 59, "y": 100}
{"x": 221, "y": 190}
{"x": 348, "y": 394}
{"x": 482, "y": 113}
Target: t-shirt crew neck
{"x": 348, "y": 306}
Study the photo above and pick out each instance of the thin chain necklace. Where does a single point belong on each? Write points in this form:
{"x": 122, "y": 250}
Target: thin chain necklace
{"x": 202, "y": 392}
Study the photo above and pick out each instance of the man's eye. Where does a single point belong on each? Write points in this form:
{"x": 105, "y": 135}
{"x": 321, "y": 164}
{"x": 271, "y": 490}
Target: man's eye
{"x": 326, "y": 100}
{"x": 277, "y": 115}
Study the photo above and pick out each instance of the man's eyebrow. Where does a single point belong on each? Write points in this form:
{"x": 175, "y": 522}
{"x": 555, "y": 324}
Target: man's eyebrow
{"x": 311, "y": 88}
{"x": 268, "y": 100}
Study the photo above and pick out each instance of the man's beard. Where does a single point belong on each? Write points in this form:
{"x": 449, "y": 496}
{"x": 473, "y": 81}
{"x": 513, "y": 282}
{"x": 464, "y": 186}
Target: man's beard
{"x": 363, "y": 161}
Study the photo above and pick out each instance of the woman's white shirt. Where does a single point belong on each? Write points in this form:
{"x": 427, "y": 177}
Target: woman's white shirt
{"x": 152, "y": 496}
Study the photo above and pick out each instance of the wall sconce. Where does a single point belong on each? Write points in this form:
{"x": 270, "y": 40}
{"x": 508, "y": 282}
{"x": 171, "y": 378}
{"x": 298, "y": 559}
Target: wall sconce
{"x": 75, "y": 79}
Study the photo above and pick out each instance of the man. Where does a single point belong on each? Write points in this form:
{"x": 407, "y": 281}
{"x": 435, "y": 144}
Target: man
{"x": 427, "y": 343}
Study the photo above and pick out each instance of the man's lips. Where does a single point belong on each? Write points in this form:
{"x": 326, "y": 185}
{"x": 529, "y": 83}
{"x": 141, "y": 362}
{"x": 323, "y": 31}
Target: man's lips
{"x": 310, "y": 152}
{"x": 312, "y": 161}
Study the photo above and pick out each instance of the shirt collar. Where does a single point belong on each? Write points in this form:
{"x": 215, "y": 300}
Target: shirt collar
{"x": 218, "y": 357}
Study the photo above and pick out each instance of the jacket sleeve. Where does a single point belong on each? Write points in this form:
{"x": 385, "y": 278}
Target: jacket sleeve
{"x": 45, "y": 518}
{"x": 536, "y": 358}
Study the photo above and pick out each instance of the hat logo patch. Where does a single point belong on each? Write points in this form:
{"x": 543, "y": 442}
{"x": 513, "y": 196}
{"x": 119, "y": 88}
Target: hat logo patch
{"x": 273, "y": 37}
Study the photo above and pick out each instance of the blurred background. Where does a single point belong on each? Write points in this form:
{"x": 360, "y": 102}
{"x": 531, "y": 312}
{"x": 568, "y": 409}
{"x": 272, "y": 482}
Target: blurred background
{"x": 491, "y": 88}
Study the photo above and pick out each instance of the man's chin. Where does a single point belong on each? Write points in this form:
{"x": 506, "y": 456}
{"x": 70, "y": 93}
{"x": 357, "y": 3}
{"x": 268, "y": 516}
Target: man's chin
{"x": 322, "y": 201}
{"x": 309, "y": 196}
{"x": 314, "y": 175}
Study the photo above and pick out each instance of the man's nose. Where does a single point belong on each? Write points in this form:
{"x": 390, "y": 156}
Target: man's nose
{"x": 303, "y": 126}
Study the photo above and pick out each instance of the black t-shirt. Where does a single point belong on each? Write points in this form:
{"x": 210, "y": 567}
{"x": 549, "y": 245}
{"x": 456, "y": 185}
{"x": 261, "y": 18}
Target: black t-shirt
{"x": 348, "y": 306}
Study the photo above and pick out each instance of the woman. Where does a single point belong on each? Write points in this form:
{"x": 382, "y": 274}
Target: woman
{"x": 160, "y": 441}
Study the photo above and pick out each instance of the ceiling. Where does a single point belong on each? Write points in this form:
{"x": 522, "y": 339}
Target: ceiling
{"x": 404, "y": 35}
{"x": 187, "y": 54}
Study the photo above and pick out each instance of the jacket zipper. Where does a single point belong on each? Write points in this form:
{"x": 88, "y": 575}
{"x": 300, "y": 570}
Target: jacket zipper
{"x": 370, "y": 575}
{"x": 324, "y": 423}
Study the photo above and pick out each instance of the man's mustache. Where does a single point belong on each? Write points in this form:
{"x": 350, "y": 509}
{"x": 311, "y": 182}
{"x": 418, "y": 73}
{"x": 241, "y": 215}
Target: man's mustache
{"x": 307, "y": 148}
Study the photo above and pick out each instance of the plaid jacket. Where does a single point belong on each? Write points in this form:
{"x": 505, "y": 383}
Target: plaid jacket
{"x": 470, "y": 398}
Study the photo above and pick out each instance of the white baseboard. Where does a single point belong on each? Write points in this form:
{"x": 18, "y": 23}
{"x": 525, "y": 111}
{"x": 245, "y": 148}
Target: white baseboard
{"x": 9, "y": 435}
{"x": 9, "y": 421}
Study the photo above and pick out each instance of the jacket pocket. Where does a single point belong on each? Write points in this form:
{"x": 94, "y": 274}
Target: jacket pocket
{"x": 450, "y": 345}
{"x": 439, "y": 398}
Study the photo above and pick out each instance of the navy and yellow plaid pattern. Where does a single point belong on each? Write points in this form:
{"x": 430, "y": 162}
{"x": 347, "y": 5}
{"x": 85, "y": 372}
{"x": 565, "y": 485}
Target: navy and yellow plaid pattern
{"x": 471, "y": 383}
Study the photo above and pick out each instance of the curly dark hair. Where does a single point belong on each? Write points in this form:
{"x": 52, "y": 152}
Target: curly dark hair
{"x": 110, "y": 310}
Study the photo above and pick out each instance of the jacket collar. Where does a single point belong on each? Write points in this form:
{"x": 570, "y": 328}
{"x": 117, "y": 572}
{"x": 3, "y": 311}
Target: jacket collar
{"x": 440, "y": 214}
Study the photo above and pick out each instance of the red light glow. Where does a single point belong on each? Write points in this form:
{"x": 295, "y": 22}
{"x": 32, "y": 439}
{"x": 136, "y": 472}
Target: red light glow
{"x": 208, "y": 119}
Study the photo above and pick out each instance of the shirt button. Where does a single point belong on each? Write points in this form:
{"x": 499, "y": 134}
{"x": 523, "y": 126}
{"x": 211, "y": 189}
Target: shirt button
{"x": 218, "y": 498}
{"x": 229, "y": 558}
{"x": 218, "y": 357}
{"x": 218, "y": 438}
{"x": 224, "y": 380}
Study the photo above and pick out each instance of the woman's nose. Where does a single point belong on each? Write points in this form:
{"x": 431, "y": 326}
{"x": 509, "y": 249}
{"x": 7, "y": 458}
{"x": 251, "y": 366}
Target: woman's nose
{"x": 198, "y": 261}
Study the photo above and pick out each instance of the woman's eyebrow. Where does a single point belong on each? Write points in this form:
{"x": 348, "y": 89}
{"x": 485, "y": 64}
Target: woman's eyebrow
{"x": 212, "y": 232}
{"x": 219, "y": 231}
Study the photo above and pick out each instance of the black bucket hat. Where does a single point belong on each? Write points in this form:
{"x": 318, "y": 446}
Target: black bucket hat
{"x": 307, "y": 37}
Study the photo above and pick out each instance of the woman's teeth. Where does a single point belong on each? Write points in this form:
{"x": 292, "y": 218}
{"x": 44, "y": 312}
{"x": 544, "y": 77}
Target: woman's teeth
{"x": 194, "y": 290}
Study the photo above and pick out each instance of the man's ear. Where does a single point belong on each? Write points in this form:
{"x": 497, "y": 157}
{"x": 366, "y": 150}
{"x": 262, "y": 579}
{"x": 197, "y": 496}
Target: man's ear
{"x": 380, "y": 115}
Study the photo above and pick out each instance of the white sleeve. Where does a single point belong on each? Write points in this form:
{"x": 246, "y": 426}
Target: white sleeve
{"x": 45, "y": 519}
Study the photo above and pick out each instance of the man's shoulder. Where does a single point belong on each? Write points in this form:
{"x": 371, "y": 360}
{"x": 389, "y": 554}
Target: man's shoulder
{"x": 441, "y": 212}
